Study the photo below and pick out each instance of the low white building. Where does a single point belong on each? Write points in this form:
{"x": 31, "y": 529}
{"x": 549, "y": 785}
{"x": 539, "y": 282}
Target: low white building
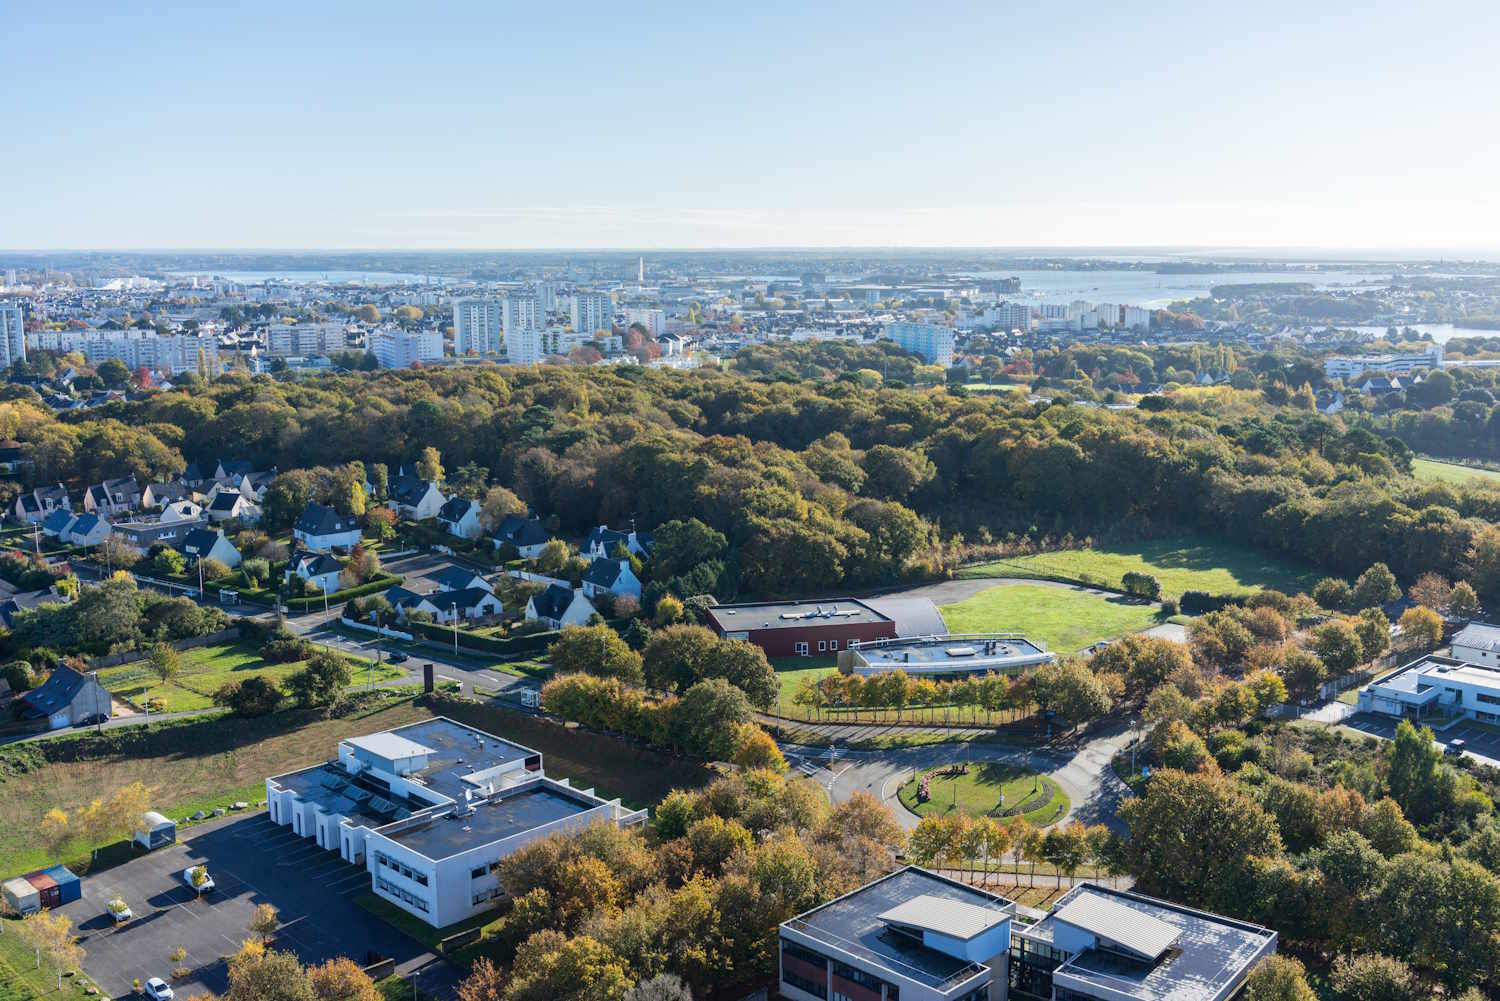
{"x": 1347, "y": 367}
{"x": 1436, "y": 689}
{"x": 430, "y": 809}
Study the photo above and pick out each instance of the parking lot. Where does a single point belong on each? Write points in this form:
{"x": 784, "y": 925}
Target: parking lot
{"x": 252, "y": 861}
{"x": 1481, "y": 742}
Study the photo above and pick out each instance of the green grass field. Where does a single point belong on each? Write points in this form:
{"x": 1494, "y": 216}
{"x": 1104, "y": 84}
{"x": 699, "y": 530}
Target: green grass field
{"x": 21, "y": 981}
{"x": 1182, "y": 563}
{"x": 204, "y": 670}
{"x": 1452, "y": 472}
{"x": 978, "y": 794}
{"x": 1065, "y": 620}
{"x": 791, "y": 670}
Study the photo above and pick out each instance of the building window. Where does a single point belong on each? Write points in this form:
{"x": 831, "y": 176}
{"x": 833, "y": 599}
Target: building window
{"x": 801, "y": 649}
{"x": 833, "y": 644}
{"x": 479, "y": 873}
{"x": 1492, "y": 700}
{"x": 822, "y": 646}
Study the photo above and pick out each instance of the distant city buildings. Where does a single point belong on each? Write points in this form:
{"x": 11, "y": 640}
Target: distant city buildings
{"x": 593, "y": 311}
{"x": 654, "y": 321}
{"x": 171, "y": 354}
{"x": 932, "y": 342}
{"x": 1347, "y": 367}
{"x": 403, "y": 349}
{"x": 12, "y": 334}
{"x": 305, "y": 340}
{"x": 477, "y": 327}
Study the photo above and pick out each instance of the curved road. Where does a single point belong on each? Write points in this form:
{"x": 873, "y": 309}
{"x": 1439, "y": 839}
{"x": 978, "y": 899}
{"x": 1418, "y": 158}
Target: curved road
{"x": 1084, "y": 771}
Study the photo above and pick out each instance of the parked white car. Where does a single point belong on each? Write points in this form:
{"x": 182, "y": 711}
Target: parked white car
{"x": 197, "y": 879}
{"x": 120, "y": 911}
{"x": 158, "y": 989}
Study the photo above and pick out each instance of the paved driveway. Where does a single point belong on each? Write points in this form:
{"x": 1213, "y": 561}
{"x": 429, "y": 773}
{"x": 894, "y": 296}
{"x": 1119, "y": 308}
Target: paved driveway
{"x": 253, "y": 861}
{"x": 1480, "y": 742}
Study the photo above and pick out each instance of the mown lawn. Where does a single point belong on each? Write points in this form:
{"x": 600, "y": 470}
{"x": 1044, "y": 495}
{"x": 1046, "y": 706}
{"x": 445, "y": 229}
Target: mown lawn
{"x": 204, "y": 669}
{"x": 979, "y": 794}
{"x": 1063, "y": 619}
{"x": 791, "y": 670}
{"x": 1452, "y": 472}
{"x": 194, "y": 764}
{"x": 19, "y": 981}
{"x": 1182, "y": 563}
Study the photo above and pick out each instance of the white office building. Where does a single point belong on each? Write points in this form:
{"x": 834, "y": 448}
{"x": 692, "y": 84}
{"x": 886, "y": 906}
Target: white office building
{"x": 593, "y": 311}
{"x": 305, "y": 340}
{"x": 403, "y": 349}
{"x": 932, "y": 342}
{"x": 476, "y": 327}
{"x": 430, "y": 809}
{"x": 12, "y": 335}
{"x": 1347, "y": 367}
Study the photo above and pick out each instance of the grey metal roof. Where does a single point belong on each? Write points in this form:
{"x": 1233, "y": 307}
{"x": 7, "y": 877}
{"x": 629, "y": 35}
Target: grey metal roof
{"x": 1127, "y": 927}
{"x": 389, "y": 745}
{"x": 1478, "y": 634}
{"x": 913, "y": 616}
{"x": 958, "y": 918}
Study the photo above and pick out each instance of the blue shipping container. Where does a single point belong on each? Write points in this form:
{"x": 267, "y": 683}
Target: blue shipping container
{"x": 69, "y": 886}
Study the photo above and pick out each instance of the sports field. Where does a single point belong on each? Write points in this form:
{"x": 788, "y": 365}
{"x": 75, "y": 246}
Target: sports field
{"x": 1180, "y": 563}
{"x": 1452, "y": 472}
{"x": 1065, "y": 620}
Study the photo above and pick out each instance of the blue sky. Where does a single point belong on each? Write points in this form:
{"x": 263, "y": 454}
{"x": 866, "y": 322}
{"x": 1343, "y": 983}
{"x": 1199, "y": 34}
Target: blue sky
{"x": 524, "y": 125}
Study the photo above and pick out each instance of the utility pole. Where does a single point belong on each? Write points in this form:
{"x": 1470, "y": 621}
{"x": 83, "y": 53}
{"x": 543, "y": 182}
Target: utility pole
{"x": 454, "y": 607}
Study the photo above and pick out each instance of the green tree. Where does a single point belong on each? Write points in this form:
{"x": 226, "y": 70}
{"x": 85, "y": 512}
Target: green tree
{"x": 1278, "y": 978}
{"x": 113, "y": 373}
{"x": 743, "y": 665}
{"x": 169, "y": 562}
{"x": 680, "y": 545}
{"x": 708, "y": 717}
{"x": 597, "y": 650}
{"x": 1376, "y": 586}
{"x": 322, "y": 681}
{"x": 164, "y": 662}
{"x": 1463, "y": 603}
{"x": 1071, "y": 690}
{"x": 678, "y": 656}
{"x": 1374, "y": 632}
{"x": 1414, "y": 761}
{"x": 552, "y": 967}
{"x": 893, "y": 473}
{"x": 1338, "y": 647}
{"x": 1374, "y": 977}
{"x": 256, "y": 695}
{"x": 430, "y": 465}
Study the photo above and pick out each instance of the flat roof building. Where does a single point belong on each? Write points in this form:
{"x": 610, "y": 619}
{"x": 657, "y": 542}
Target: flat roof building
{"x": 1114, "y": 945}
{"x": 429, "y": 809}
{"x": 1436, "y": 688}
{"x": 803, "y": 628}
{"x": 945, "y": 656}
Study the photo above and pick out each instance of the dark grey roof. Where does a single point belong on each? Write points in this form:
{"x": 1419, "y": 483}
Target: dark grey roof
{"x": 468, "y": 597}
{"x": 85, "y": 524}
{"x": 225, "y": 500}
{"x": 522, "y": 531}
{"x": 401, "y": 597}
{"x": 28, "y": 600}
{"x": 603, "y": 572}
{"x": 165, "y": 493}
{"x": 453, "y": 578}
{"x": 200, "y": 541}
{"x": 913, "y": 616}
{"x": 408, "y": 490}
{"x": 57, "y": 520}
{"x": 454, "y": 508}
{"x": 607, "y": 537}
{"x": 57, "y": 692}
{"x": 320, "y": 519}
{"x": 553, "y": 602}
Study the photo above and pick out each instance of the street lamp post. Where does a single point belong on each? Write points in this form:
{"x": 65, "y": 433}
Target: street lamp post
{"x": 454, "y": 607}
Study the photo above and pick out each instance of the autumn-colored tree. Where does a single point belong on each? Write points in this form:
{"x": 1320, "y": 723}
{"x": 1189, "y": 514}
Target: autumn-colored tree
{"x": 54, "y": 832}
{"x": 1421, "y": 628}
{"x": 341, "y": 979}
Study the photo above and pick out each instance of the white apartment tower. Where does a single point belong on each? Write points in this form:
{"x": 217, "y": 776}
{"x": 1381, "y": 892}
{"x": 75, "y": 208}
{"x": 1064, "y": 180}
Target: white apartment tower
{"x": 12, "y": 335}
{"x": 593, "y": 311}
{"x": 476, "y": 326}
{"x": 305, "y": 340}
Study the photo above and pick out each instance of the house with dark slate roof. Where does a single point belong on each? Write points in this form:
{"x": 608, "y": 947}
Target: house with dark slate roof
{"x": 415, "y": 498}
{"x": 559, "y": 606}
{"x": 66, "y": 698}
{"x": 33, "y": 506}
{"x": 469, "y": 603}
{"x": 26, "y": 601}
{"x": 528, "y": 535}
{"x": 320, "y": 568}
{"x": 210, "y": 544}
{"x": 322, "y": 528}
{"x": 460, "y": 517}
{"x": 405, "y": 601}
{"x": 605, "y": 576}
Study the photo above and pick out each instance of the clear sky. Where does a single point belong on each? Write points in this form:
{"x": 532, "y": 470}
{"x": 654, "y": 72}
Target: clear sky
{"x": 514, "y": 125}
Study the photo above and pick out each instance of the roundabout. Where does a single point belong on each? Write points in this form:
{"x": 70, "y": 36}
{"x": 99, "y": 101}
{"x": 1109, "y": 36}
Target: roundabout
{"x": 985, "y": 789}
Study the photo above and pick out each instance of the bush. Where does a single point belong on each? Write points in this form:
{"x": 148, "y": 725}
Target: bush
{"x": 253, "y": 696}
{"x": 1199, "y": 602}
{"x": 1169, "y": 606}
{"x": 381, "y": 583}
{"x": 1141, "y": 585}
{"x": 18, "y": 675}
{"x": 284, "y": 647}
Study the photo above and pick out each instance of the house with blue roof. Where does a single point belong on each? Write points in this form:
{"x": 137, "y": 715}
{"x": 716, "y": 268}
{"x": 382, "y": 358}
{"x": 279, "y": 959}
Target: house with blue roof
{"x": 67, "y": 698}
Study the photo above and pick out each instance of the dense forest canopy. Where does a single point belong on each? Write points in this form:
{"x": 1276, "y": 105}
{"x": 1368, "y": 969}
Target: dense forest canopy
{"x": 822, "y": 484}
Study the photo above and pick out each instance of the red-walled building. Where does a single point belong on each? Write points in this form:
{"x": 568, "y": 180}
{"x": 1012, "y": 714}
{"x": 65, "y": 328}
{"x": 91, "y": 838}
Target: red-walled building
{"x": 802, "y": 628}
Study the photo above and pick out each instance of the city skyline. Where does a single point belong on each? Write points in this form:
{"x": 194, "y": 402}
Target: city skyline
{"x": 970, "y": 127}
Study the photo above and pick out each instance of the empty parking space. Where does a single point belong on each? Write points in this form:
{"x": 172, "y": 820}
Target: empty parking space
{"x": 252, "y": 861}
{"x": 1480, "y": 741}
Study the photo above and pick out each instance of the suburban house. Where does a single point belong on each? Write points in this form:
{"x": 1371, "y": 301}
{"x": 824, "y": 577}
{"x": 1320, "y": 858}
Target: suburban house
{"x": 919, "y": 936}
{"x": 113, "y": 496}
{"x": 66, "y": 698}
{"x": 320, "y": 568}
{"x": 404, "y": 602}
{"x": 162, "y": 494}
{"x": 468, "y": 603}
{"x": 144, "y": 534}
{"x": 231, "y": 471}
{"x": 559, "y": 606}
{"x": 228, "y": 504}
{"x": 803, "y": 628}
{"x": 528, "y": 535}
{"x": 415, "y": 498}
{"x": 33, "y": 506}
{"x": 56, "y": 523}
{"x": 254, "y": 485}
{"x": 460, "y": 517}
{"x": 611, "y": 576}
{"x": 87, "y": 530}
{"x": 210, "y": 544}
{"x": 322, "y": 528}
{"x": 12, "y": 455}
{"x": 26, "y": 601}
{"x": 456, "y": 578}
{"x": 603, "y": 540}
{"x": 178, "y": 512}
{"x": 429, "y": 810}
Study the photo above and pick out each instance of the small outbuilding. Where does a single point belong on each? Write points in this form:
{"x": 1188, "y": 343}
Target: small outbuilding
{"x": 156, "y": 832}
{"x": 69, "y": 886}
{"x": 21, "y": 895}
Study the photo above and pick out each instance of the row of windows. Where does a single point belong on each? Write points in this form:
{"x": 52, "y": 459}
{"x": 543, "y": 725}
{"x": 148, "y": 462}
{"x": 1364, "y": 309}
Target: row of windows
{"x": 796, "y": 951}
{"x": 867, "y": 979}
{"x": 401, "y": 894}
{"x": 484, "y": 895}
{"x": 416, "y": 876}
{"x": 817, "y": 990}
{"x": 479, "y": 872}
{"x": 824, "y": 646}
{"x": 1493, "y": 700}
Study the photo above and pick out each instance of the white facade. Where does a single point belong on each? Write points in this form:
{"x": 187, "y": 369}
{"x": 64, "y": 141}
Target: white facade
{"x": 476, "y": 326}
{"x": 402, "y": 349}
{"x": 1437, "y": 688}
{"x": 932, "y": 342}
{"x": 1347, "y": 367}
{"x": 521, "y": 311}
{"x": 523, "y": 347}
{"x": 593, "y": 311}
{"x": 654, "y": 320}
{"x": 12, "y": 335}
{"x": 305, "y": 340}
{"x": 1137, "y": 318}
{"x": 173, "y": 354}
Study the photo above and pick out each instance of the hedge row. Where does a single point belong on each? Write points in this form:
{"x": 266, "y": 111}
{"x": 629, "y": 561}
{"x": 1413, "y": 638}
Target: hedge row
{"x": 374, "y": 586}
{"x": 500, "y": 646}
